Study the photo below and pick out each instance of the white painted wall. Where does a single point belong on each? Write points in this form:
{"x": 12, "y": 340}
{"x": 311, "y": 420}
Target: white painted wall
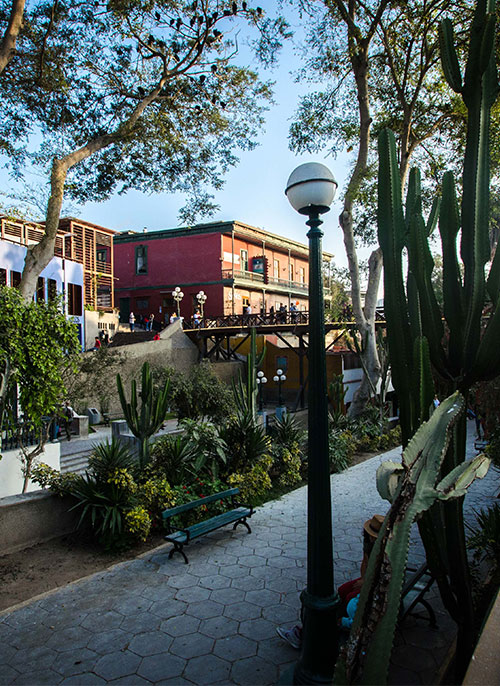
{"x": 11, "y": 476}
{"x": 63, "y": 272}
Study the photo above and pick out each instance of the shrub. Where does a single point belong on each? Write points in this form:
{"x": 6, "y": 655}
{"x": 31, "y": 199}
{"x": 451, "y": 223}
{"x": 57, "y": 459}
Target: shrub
{"x": 341, "y": 447}
{"x": 174, "y": 458}
{"x": 210, "y": 448}
{"x": 107, "y": 458}
{"x": 287, "y": 464}
{"x": 138, "y": 523}
{"x": 200, "y": 393}
{"x": 288, "y": 432}
{"x": 48, "y": 477}
{"x": 199, "y": 488}
{"x": 485, "y": 537}
{"x": 255, "y": 482}
{"x": 246, "y": 442}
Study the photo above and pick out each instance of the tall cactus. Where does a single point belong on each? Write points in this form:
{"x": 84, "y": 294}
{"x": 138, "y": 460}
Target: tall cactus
{"x": 462, "y": 351}
{"x": 146, "y": 421}
{"x": 412, "y": 487}
{"x": 245, "y": 392}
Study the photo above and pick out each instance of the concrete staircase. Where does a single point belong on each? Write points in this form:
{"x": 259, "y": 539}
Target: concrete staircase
{"x": 75, "y": 462}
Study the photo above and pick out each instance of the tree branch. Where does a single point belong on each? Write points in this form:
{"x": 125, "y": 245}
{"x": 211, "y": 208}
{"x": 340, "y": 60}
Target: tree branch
{"x": 8, "y": 43}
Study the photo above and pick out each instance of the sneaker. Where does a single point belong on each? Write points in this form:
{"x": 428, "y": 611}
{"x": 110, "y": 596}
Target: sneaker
{"x": 292, "y": 636}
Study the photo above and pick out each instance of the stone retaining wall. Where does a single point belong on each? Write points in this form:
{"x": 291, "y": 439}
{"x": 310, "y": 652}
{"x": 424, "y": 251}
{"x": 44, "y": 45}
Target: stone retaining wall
{"x": 32, "y": 518}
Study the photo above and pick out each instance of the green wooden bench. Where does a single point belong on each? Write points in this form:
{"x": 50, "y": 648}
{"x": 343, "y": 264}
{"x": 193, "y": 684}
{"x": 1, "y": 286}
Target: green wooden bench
{"x": 418, "y": 581}
{"x": 181, "y": 537}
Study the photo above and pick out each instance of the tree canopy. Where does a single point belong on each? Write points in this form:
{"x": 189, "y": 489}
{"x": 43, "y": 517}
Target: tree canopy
{"x": 128, "y": 95}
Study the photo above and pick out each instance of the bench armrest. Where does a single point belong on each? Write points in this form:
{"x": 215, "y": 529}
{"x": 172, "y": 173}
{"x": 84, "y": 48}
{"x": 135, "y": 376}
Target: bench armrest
{"x": 171, "y": 530}
{"x": 237, "y": 503}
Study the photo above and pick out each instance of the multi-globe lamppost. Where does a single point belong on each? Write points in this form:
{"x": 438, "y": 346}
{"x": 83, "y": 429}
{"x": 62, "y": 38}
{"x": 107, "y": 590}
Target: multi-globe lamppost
{"x": 201, "y": 298}
{"x": 261, "y": 380}
{"x": 177, "y": 295}
{"x": 310, "y": 190}
{"x": 279, "y": 378}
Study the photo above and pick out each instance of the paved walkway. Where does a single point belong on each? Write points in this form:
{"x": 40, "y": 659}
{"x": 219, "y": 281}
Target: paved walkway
{"x": 154, "y": 620}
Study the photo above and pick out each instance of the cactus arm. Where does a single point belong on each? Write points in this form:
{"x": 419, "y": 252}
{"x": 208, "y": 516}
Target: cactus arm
{"x": 456, "y": 483}
{"x": 487, "y": 363}
{"x": 493, "y": 282}
{"x": 433, "y": 215}
{"x": 480, "y": 92}
{"x": 424, "y": 383}
{"x": 391, "y": 234}
{"x": 449, "y": 226}
{"x": 449, "y": 59}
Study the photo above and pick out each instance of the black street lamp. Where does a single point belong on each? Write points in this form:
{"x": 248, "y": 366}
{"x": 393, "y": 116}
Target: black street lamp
{"x": 310, "y": 190}
{"x": 279, "y": 379}
{"x": 261, "y": 380}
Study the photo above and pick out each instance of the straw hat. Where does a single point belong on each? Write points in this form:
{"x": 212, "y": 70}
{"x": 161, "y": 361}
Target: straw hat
{"x": 372, "y": 526}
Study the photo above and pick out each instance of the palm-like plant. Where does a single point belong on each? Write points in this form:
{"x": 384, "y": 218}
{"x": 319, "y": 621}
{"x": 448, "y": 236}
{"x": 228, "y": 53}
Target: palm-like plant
{"x": 246, "y": 441}
{"x": 175, "y": 458}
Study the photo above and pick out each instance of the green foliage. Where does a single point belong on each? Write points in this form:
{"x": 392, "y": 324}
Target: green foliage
{"x": 255, "y": 482}
{"x": 179, "y": 99}
{"x": 48, "y": 477}
{"x": 287, "y": 431}
{"x": 199, "y": 488}
{"x": 412, "y": 487}
{"x": 484, "y": 538}
{"x": 336, "y": 392}
{"x": 246, "y": 442}
{"x": 145, "y": 422}
{"x": 36, "y": 341}
{"x": 287, "y": 464}
{"x": 110, "y": 457}
{"x": 210, "y": 448}
{"x": 245, "y": 393}
{"x": 201, "y": 394}
{"x": 87, "y": 383}
{"x": 138, "y": 523}
{"x": 175, "y": 458}
{"x": 341, "y": 448}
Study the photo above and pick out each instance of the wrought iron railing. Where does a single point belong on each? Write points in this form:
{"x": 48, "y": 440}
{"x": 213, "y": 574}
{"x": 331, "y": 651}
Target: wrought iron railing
{"x": 15, "y": 435}
{"x": 243, "y": 275}
{"x": 247, "y": 320}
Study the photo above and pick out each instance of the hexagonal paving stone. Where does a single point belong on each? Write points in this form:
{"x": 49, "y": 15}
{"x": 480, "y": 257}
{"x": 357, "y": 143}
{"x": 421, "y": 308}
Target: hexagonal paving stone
{"x": 64, "y": 618}
{"x": 234, "y": 571}
{"x": 160, "y": 667}
{"x": 193, "y": 594}
{"x": 144, "y": 621}
{"x": 192, "y": 645}
{"x": 235, "y": 648}
{"x": 132, "y": 605}
{"x": 183, "y": 581}
{"x": 202, "y": 569}
{"x": 247, "y": 583}
{"x": 8, "y": 675}
{"x": 207, "y": 669}
{"x": 133, "y": 680}
{"x": 277, "y": 651}
{"x": 108, "y": 641}
{"x": 205, "y": 609}
{"x": 252, "y": 561}
{"x": 282, "y": 562}
{"x": 242, "y": 611}
{"x": 281, "y": 584}
{"x": 116, "y": 665}
{"x": 150, "y": 643}
{"x": 30, "y": 659}
{"x": 87, "y": 679}
{"x": 75, "y": 662}
{"x": 168, "y": 608}
{"x": 218, "y": 627}
{"x": 215, "y": 582}
{"x": 180, "y": 626}
{"x": 254, "y": 670}
{"x": 226, "y": 596}
{"x": 262, "y": 598}
{"x": 257, "y": 629}
{"x": 46, "y": 676}
{"x": 266, "y": 572}
{"x": 102, "y": 621}
{"x": 33, "y": 638}
{"x": 224, "y": 559}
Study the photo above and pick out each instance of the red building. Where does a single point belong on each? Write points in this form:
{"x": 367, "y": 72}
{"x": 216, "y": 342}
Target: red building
{"x": 236, "y": 265}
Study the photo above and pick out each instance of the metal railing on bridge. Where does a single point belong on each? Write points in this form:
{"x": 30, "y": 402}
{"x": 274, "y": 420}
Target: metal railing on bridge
{"x": 247, "y": 320}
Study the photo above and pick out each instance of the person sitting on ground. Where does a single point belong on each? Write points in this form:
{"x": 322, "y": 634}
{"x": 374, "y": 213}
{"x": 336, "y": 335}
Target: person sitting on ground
{"x": 348, "y": 592}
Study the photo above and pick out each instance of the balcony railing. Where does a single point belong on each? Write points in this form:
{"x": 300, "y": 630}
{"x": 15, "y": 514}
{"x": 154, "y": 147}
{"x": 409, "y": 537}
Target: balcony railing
{"x": 243, "y": 275}
{"x": 247, "y": 320}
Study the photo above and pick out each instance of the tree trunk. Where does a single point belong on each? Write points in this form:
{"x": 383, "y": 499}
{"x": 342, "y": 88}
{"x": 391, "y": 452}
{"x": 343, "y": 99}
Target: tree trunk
{"x": 39, "y": 255}
{"x": 8, "y": 43}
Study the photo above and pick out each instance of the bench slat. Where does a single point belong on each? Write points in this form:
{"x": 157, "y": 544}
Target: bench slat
{"x": 201, "y": 528}
{"x": 178, "y": 509}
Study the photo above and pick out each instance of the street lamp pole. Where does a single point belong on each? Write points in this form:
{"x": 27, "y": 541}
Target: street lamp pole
{"x": 261, "y": 380}
{"x": 177, "y": 294}
{"x": 310, "y": 190}
{"x": 201, "y": 298}
{"x": 279, "y": 379}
